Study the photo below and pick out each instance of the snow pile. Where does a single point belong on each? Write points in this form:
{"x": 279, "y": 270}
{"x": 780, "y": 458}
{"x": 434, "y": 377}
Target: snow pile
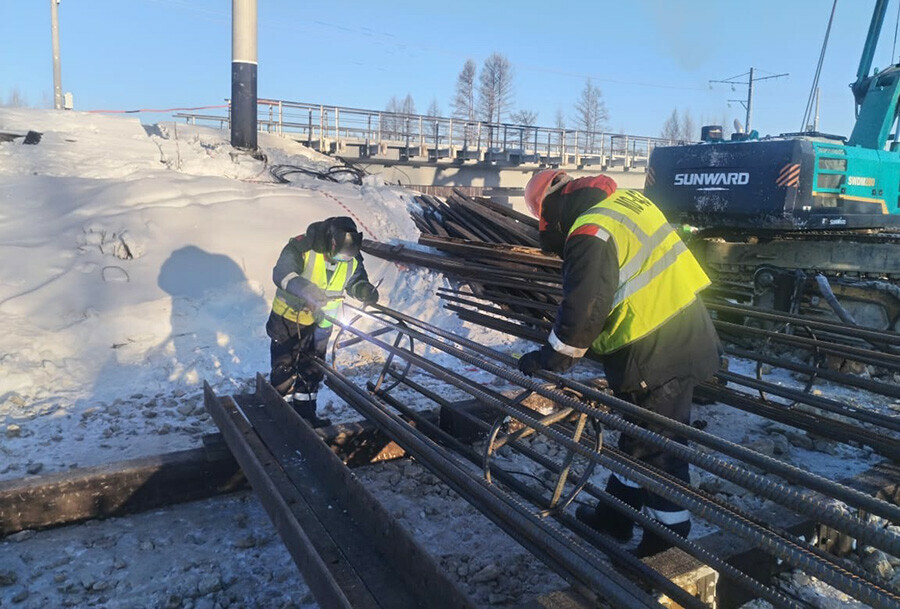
{"x": 137, "y": 265}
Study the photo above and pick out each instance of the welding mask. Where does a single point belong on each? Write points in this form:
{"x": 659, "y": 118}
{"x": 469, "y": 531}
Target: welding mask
{"x": 344, "y": 244}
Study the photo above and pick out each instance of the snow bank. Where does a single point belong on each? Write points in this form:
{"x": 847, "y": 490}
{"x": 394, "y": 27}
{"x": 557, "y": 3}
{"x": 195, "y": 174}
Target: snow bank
{"x": 137, "y": 264}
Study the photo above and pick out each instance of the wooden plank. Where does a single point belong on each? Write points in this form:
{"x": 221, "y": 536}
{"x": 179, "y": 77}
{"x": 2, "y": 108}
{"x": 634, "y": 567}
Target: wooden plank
{"x": 117, "y": 489}
{"x": 137, "y": 485}
{"x": 688, "y": 573}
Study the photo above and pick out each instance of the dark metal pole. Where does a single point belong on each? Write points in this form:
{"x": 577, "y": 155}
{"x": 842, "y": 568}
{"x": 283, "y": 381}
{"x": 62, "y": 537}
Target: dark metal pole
{"x": 243, "y": 74}
{"x": 749, "y": 102}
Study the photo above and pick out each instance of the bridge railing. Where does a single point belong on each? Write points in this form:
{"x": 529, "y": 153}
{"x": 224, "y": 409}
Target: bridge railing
{"x": 372, "y": 133}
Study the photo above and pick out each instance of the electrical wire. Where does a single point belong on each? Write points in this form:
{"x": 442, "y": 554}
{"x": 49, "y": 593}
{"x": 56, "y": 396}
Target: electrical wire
{"x": 896, "y": 25}
{"x": 337, "y": 173}
{"x": 815, "y": 83}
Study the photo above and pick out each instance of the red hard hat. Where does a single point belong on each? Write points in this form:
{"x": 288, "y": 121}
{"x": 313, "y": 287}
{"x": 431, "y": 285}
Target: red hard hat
{"x": 538, "y": 187}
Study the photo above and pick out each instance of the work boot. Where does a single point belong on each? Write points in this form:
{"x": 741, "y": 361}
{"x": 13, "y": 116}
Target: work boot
{"x": 651, "y": 543}
{"x": 604, "y": 519}
{"x": 307, "y": 410}
{"x": 607, "y": 520}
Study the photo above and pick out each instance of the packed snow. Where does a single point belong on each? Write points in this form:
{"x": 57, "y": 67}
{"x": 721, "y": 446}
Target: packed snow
{"x": 137, "y": 265}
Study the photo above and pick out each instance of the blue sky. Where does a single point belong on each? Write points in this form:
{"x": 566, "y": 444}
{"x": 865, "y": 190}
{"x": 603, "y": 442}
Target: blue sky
{"x": 647, "y": 56}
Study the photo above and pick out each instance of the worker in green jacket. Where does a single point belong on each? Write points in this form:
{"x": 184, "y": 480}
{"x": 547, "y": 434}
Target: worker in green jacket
{"x": 313, "y": 272}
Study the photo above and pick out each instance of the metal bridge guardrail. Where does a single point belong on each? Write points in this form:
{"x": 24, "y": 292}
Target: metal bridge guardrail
{"x": 405, "y": 137}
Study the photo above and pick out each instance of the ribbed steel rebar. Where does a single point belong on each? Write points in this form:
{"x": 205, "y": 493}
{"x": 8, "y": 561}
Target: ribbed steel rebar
{"x": 851, "y": 331}
{"x": 866, "y": 356}
{"x": 888, "y": 389}
{"x": 812, "y": 507}
{"x": 576, "y": 563}
{"x": 610, "y": 547}
{"x": 784, "y": 549}
{"x": 822, "y": 403}
{"x": 726, "y": 570}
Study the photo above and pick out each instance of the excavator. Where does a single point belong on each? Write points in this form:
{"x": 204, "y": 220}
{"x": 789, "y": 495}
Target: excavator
{"x": 802, "y": 222}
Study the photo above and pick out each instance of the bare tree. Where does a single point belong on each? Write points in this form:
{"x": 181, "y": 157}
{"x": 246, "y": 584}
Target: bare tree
{"x": 591, "y": 114}
{"x": 527, "y": 119}
{"x": 409, "y": 105}
{"x": 672, "y": 127}
{"x": 495, "y": 90}
{"x": 434, "y": 110}
{"x": 410, "y": 126}
{"x": 688, "y": 128}
{"x": 15, "y": 100}
{"x": 464, "y": 100}
{"x": 391, "y": 122}
{"x": 561, "y": 125}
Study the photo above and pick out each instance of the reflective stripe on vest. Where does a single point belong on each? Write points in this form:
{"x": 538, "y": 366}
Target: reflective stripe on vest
{"x": 658, "y": 276}
{"x": 315, "y": 270}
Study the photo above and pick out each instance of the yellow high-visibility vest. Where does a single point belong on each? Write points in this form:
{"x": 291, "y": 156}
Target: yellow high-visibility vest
{"x": 658, "y": 276}
{"x": 315, "y": 270}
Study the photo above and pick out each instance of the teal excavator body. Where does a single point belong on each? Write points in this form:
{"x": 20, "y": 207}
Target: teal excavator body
{"x": 799, "y": 205}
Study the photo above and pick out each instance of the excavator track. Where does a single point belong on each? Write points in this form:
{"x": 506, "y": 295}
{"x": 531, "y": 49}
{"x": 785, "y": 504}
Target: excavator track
{"x": 862, "y": 270}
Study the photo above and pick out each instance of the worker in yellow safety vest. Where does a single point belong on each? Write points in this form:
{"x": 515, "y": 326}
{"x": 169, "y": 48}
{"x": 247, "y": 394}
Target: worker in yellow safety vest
{"x": 630, "y": 296}
{"x": 312, "y": 274}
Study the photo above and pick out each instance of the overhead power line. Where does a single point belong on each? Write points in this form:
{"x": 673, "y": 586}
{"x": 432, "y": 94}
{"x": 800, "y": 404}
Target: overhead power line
{"x": 748, "y": 104}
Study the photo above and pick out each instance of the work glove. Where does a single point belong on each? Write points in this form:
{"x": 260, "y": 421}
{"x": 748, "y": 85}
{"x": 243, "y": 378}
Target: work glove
{"x": 545, "y": 358}
{"x": 314, "y": 297}
{"x": 367, "y": 293}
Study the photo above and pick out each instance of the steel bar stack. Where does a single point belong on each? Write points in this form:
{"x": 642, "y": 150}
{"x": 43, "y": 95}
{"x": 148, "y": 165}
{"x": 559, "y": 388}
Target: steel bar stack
{"x": 807, "y": 494}
{"x": 511, "y": 287}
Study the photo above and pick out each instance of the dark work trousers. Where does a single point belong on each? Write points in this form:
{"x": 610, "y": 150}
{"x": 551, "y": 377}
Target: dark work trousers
{"x": 673, "y": 400}
{"x": 291, "y": 371}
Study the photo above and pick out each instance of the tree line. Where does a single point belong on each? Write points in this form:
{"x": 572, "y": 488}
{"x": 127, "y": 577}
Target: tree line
{"x": 488, "y": 96}
{"x": 680, "y": 127}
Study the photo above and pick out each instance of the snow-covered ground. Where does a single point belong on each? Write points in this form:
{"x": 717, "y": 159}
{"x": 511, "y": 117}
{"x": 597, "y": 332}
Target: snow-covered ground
{"x": 136, "y": 264}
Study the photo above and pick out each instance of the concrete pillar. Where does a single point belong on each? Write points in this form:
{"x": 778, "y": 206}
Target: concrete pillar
{"x": 57, "y": 73}
{"x": 243, "y": 74}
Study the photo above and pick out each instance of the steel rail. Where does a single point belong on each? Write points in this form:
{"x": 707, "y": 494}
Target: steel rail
{"x": 579, "y": 565}
{"x": 795, "y": 554}
{"x": 875, "y": 358}
{"x": 822, "y": 426}
{"x": 344, "y": 563}
{"x": 860, "y": 332}
{"x": 820, "y": 402}
{"x": 889, "y": 542}
{"x": 887, "y": 389}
